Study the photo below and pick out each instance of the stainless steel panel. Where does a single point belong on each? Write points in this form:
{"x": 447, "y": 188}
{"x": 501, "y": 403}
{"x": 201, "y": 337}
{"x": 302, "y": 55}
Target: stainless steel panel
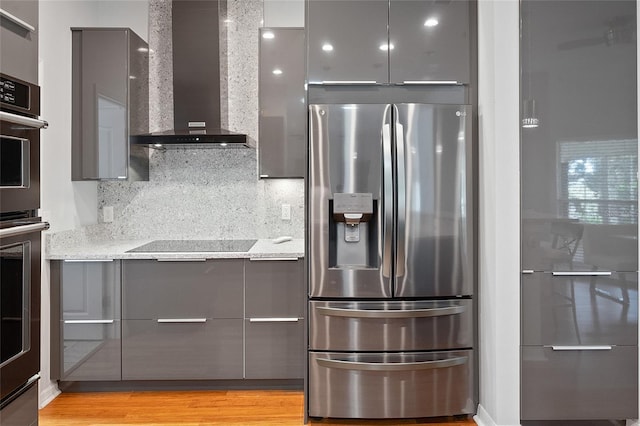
{"x": 579, "y": 310}
{"x": 282, "y": 120}
{"x": 274, "y": 350}
{"x": 390, "y": 385}
{"x": 345, "y": 44}
{"x": 579, "y": 165}
{"x": 211, "y": 289}
{"x": 345, "y": 157}
{"x": 390, "y": 326}
{"x": 90, "y": 350}
{"x": 23, "y": 410}
{"x": 275, "y": 288}
{"x": 431, "y": 41}
{"x": 19, "y": 45}
{"x": 153, "y": 351}
{"x": 579, "y": 384}
{"x": 435, "y": 235}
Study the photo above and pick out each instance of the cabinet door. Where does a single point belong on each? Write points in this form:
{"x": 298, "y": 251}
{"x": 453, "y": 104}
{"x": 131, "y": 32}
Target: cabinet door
{"x": 282, "y": 142}
{"x": 274, "y": 348}
{"x": 579, "y": 384}
{"x": 430, "y": 41}
{"x": 579, "y": 309}
{"x": 90, "y": 320}
{"x": 153, "y": 350}
{"x": 19, "y": 39}
{"x": 275, "y": 288}
{"x": 182, "y": 290}
{"x": 347, "y": 41}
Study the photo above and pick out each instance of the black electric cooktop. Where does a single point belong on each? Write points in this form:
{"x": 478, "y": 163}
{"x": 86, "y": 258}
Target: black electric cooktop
{"x": 188, "y": 246}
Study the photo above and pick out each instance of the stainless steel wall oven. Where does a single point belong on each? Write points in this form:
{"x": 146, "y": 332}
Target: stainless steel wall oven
{"x": 20, "y": 237}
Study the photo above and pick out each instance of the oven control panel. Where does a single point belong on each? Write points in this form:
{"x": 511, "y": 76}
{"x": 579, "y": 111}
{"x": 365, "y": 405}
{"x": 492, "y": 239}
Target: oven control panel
{"x": 14, "y": 93}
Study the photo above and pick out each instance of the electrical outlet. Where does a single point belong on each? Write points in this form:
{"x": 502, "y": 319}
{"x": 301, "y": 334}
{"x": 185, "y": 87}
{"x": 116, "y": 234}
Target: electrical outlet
{"x": 107, "y": 214}
{"x": 286, "y": 212}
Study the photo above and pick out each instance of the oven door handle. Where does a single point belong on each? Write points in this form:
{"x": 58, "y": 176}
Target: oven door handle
{"x": 24, "y": 229}
{"x": 24, "y": 121}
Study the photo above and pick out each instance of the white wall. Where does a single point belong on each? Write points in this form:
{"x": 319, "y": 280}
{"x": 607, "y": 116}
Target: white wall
{"x": 65, "y": 204}
{"x": 499, "y": 245}
{"x": 125, "y": 13}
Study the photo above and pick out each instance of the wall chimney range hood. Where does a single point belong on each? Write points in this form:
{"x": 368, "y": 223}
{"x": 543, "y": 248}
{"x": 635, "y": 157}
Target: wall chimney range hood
{"x": 197, "y": 80}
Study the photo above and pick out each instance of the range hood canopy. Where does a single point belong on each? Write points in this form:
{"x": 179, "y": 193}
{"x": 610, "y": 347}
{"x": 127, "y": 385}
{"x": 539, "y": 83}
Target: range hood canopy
{"x": 197, "y": 80}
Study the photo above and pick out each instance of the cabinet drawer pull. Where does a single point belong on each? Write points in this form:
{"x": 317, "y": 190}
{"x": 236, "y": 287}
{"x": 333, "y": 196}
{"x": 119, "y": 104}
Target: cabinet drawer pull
{"x": 274, "y": 319}
{"x": 261, "y": 259}
{"x": 181, "y": 320}
{"x": 348, "y": 82}
{"x": 433, "y": 82}
{"x": 582, "y": 274}
{"x": 583, "y": 348}
{"x": 88, "y": 321}
{"x": 87, "y": 260}
{"x": 17, "y": 21}
{"x": 183, "y": 259}
{"x": 381, "y": 313}
{"x": 391, "y": 366}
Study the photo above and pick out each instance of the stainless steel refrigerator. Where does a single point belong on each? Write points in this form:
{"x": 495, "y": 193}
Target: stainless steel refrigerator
{"x": 391, "y": 261}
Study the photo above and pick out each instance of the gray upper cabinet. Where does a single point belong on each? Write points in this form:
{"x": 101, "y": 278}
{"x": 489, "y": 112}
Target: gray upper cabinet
{"x": 19, "y": 39}
{"x": 579, "y": 136}
{"x": 430, "y": 41}
{"x": 389, "y": 42}
{"x": 282, "y": 147}
{"x": 346, "y": 41}
{"x": 110, "y": 94}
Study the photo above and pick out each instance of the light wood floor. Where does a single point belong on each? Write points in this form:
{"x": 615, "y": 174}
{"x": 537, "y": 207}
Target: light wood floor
{"x": 192, "y": 408}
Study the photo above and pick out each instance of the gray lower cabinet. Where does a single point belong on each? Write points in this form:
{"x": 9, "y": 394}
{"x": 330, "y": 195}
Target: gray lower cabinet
{"x": 86, "y": 320}
{"x": 23, "y": 410}
{"x": 579, "y": 384}
{"x": 182, "y": 349}
{"x": 19, "y": 39}
{"x": 282, "y": 119}
{"x": 182, "y": 319}
{"x": 274, "y": 319}
{"x": 110, "y": 93}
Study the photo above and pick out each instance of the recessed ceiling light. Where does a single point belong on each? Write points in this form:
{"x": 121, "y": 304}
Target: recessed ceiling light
{"x": 385, "y": 46}
{"x": 327, "y": 47}
{"x": 268, "y": 35}
{"x": 431, "y": 22}
{"x": 277, "y": 71}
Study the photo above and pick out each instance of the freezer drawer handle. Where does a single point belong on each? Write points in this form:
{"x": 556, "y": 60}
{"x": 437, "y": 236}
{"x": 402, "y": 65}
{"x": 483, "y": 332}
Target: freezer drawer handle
{"x": 392, "y": 366}
{"x": 381, "y": 313}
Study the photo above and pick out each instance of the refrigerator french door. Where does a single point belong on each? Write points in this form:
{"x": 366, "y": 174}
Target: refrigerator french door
{"x": 391, "y": 261}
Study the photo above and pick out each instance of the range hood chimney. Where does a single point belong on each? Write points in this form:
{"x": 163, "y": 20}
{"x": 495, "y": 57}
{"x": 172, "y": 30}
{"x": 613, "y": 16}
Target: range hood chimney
{"x": 197, "y": 90}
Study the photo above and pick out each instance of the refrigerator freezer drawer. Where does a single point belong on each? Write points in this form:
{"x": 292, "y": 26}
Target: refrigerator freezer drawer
{"x": 391, "y": 326}
{"x": 390, "y": 385}
{"x": 579, "y": 383}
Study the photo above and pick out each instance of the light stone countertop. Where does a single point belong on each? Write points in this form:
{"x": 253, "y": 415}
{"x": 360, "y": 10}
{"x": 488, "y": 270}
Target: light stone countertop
{"x": 117, "y": 249}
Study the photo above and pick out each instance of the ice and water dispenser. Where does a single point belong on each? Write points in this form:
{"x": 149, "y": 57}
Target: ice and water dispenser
{"x": 353, "y": 231}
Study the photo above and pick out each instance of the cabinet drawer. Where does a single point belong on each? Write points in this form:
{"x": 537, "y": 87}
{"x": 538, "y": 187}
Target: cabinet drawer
{"x": 19, "y": 43}
{"x": 390, "y": 326}
{"x": 90, "y": 290}
{"x": 182, "y": 351}
{"x": 91, "y": 350}
{"x": 210, "y": 289}
{"x": 579, "y": 384}
{"x": 398, "y": 385}
{"x": 274, "y": 348}
{"x": 275, "y": 288}
{"x": 579, "y": 309}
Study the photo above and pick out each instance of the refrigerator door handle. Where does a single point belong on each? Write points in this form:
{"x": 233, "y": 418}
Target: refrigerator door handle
{"x": 381, "y": 313}
{"x": 387, "y": 197}
{"x": 401, "y": 196}
{"x": 391, "y": 366}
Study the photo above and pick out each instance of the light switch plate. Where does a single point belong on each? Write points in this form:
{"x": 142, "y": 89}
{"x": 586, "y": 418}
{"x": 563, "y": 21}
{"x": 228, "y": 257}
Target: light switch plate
{"x": 107, "y": 214}
{"x": 286, "y": 212}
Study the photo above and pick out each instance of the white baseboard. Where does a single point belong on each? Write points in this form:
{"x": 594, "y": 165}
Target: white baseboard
{"x": 47, "y": 393}
{"x": 483, "y": 418}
